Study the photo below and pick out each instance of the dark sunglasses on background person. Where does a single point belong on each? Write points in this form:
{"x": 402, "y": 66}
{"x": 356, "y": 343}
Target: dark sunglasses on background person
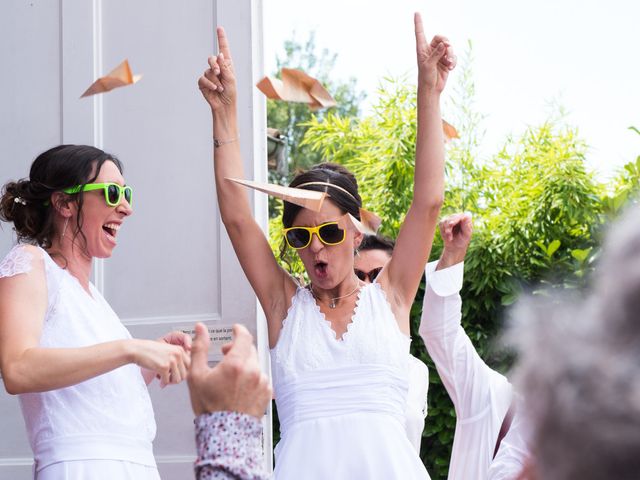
{"x": 328, "y": 233}
{"x": 371, "y": 274}
{"x": 113, "y": 192}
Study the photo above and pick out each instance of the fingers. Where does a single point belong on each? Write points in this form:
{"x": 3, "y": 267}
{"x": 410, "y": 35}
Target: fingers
{"x": 437, "y": 39}
{"x": 165, "y": 378}
{"x": 437, "y": 54}
{"x": 205, "y": 84}
{"x": 448, "y": 60}
{"x": 186, "y": 359}
{"x": 226, "y": 67}
{"x": 223, "y": 43}
{"x": 175, "y": 375}
{"x": 200, "y": 349}
{"x": 264, "y": 394}
{"x": 421, "y": 41}
{"x": 242, "y": 342}
{"x": 213, "y": 73}
{"x": 466, "y": 224}
{"x": 186, "y": 342}
{"x": 226, "y": 347}
{"x": 213, "y": 65}
{"x": 453, "y": 224}
{"x": 178, "y": 338}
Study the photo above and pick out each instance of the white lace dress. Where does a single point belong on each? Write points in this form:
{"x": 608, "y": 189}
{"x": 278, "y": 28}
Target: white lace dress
{"x": 341, "y": 402}
{"x": 101, "y": 428}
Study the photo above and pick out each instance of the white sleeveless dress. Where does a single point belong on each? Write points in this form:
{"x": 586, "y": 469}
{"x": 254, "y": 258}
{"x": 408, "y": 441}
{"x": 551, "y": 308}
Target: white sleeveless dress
{"x": 341, "y": 402}
{"x": 101, "y": 428}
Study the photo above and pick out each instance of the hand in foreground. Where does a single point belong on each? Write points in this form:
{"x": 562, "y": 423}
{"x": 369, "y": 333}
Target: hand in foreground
{"x": 218, "y": 83}
{"x": 456, "y": 233}
{"x": 435, "y": 60}
{"x": 235, "y": 384}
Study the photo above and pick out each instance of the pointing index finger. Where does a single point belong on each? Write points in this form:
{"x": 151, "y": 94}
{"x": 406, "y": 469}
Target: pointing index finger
{"x": 421, "y": 41}
{"x": 223, "y": 44}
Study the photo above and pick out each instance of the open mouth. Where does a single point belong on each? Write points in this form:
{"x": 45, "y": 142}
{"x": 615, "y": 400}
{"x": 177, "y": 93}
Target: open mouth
{"x": 320, "y": 268}
{"x": 111, "y": 229}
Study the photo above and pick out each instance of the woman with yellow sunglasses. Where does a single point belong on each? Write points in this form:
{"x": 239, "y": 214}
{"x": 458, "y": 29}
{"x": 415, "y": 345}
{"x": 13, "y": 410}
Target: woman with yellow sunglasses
{"x": 339, "y": 348}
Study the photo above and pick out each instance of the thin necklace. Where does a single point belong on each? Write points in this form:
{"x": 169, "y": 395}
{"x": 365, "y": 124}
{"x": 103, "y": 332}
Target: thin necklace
{"x": 332, "y": 303}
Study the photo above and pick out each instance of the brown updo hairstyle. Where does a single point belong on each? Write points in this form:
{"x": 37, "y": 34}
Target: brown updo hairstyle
{"x": 327, "y": 173}
{"x": 27, "y": 202}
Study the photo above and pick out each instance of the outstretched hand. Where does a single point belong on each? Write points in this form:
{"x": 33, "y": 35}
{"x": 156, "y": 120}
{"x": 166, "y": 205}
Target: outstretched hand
{"x": 218, "y": 83}
{"x": 435, "y": 59}
{"x": 235, "y": 384}
{"x": 456, "y": 233}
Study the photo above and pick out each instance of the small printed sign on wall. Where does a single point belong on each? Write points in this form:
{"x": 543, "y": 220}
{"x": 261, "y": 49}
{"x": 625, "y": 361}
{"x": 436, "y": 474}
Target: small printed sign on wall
{"x": 219, "y": 335}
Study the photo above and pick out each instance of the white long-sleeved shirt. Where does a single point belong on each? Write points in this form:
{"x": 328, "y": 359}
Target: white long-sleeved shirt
{"x": 481, "y": 396}
{"x": 514, "y": 450}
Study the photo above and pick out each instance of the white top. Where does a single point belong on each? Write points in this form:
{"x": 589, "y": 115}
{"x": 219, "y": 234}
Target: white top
{"x": 480, "y": 395}
{"x": 107, "y": 417}
{"x": 341, "y": 402}
{"x": 416, "y": 408}
{"x": 514, "y": 449}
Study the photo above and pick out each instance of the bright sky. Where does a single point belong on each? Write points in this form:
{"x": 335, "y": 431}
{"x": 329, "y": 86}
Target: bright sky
{"x": 584, "y": 54}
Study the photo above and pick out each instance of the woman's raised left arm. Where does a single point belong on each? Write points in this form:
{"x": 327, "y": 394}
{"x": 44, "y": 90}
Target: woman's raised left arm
{"x": 403, "y": 273}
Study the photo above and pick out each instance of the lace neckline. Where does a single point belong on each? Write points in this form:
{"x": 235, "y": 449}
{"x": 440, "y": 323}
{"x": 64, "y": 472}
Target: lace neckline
{"x": 322, "y": 317}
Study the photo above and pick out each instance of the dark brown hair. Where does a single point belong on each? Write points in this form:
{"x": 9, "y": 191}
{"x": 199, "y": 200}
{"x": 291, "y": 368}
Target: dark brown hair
{"x": 327, "y": 173}
{"x": 27, "y": 202}
{"x": 377, "y": 242}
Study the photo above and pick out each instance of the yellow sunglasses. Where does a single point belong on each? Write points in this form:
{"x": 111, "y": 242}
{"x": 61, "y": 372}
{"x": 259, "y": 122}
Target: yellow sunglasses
{"x": 328, "y": 233}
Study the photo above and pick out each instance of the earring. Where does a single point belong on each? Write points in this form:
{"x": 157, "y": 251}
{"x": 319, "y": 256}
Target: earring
{"x": 356, "y": 252}
{"x": 64, "y": 229}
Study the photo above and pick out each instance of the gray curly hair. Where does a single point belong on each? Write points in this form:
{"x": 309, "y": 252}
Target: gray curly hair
{"x": 579, "y": 369}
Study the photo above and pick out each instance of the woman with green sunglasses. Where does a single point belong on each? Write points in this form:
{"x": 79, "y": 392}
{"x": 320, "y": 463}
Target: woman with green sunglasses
{"x": 79, "y": 375}
{"x": 339, "y": 348}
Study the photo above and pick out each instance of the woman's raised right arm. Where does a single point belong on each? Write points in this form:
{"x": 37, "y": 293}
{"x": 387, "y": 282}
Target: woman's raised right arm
{"x": 27, "y": 367}
{"x": 270, "y": 282}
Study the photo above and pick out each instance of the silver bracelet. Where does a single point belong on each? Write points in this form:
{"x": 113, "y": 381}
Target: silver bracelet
{"x": 218, "y": 143}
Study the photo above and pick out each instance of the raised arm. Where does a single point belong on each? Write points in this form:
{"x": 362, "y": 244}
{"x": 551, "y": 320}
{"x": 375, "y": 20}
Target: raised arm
{"x": 471, "y": 384}
{"x": 272, "y": 285}
{"x": 480, "y": 395}
{"x": 435, "y": 61}
{"x": 27, "y": 367}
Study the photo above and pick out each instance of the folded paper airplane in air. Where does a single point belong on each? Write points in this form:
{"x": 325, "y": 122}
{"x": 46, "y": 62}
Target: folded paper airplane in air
{"x": 118, "y": 77}
{"x": 305, "y": 198}
{"x": 296, "y": 86}
{"x": 449, "y": 131}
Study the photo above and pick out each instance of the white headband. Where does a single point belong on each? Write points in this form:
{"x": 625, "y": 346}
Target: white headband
{"x": 328, "y": 185}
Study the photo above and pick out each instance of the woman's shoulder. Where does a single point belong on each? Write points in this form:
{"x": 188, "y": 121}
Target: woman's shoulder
{"x": 22, "y": 258}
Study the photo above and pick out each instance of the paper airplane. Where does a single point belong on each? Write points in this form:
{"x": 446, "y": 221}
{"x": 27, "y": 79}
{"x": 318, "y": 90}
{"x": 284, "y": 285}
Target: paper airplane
{"x": 449, "y": 131}
{"x": 370, "y": 221}
{"x": 361, "y": 226}
{"x": 305, "y": 198}
{"x": 118, "y": 77}
{"x": 296, "y": 86}
{"x": 368, "y": 224}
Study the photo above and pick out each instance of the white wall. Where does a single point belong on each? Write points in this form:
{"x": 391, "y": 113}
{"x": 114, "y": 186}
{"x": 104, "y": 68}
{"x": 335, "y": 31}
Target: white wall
{"x": 174, "y": 264}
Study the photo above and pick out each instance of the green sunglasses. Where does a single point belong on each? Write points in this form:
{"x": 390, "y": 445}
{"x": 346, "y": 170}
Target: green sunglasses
{"x": 113, "y": 192}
